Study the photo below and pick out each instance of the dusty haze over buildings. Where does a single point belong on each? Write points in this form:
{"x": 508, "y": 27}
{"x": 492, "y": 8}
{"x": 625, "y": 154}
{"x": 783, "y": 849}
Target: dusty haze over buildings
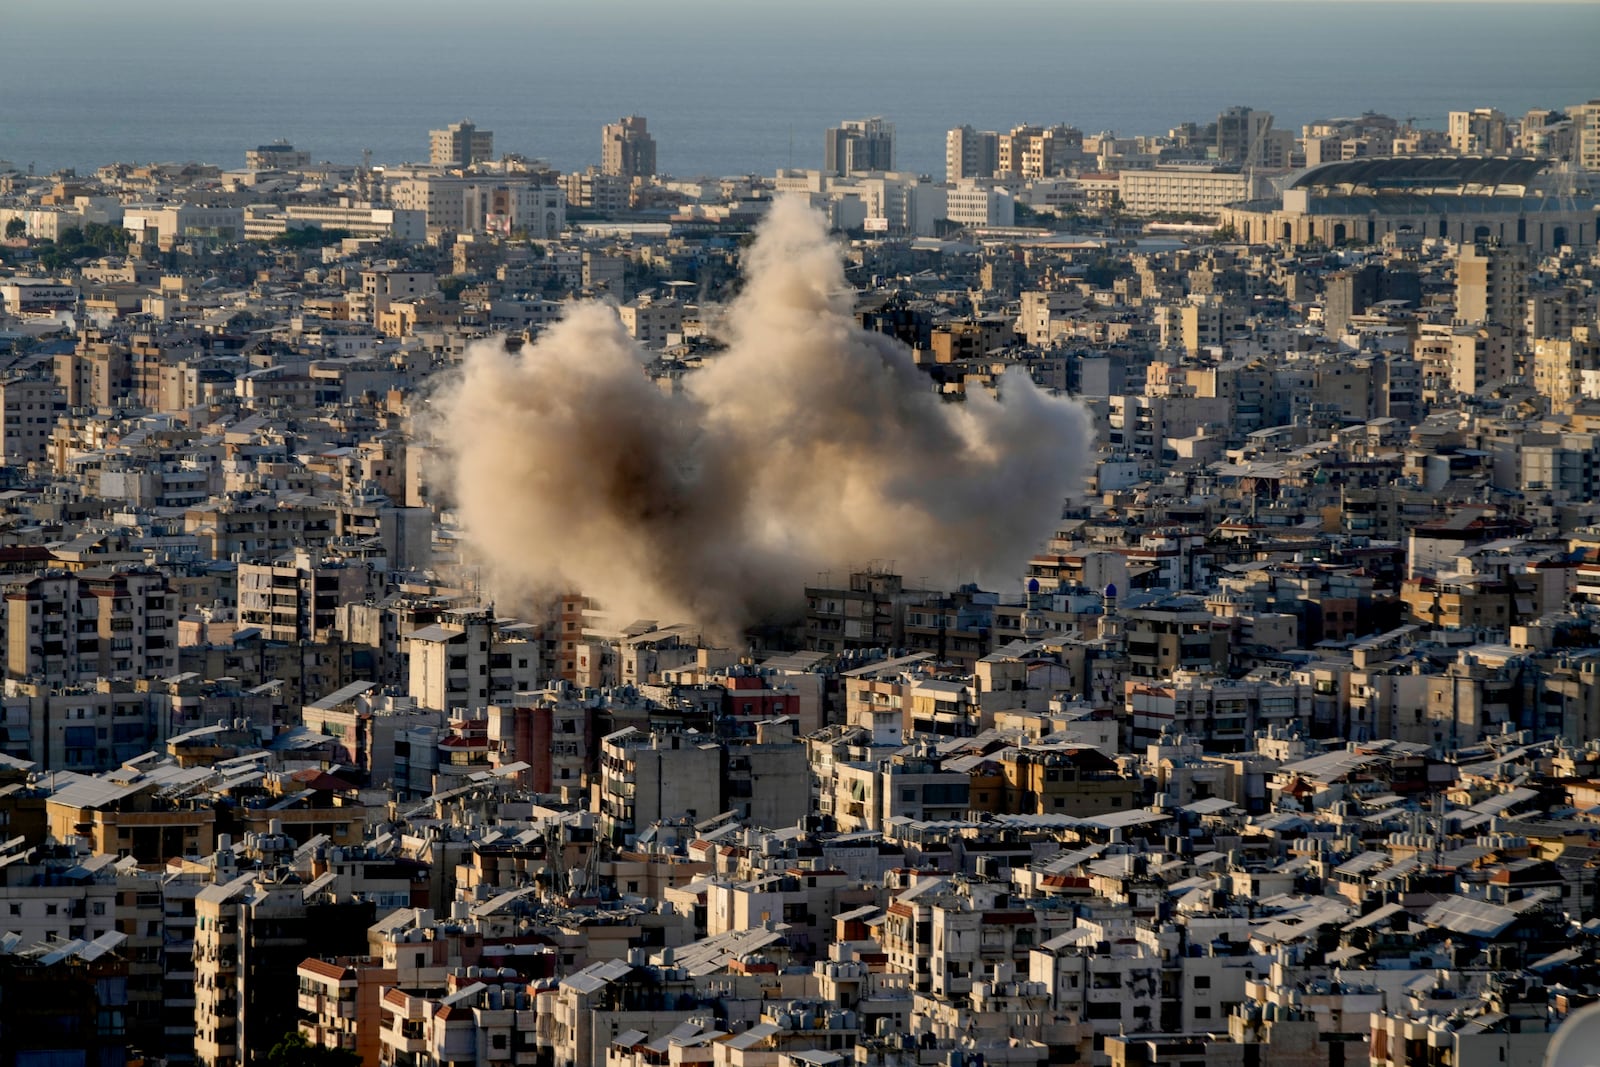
{"x": 808, "y": 445}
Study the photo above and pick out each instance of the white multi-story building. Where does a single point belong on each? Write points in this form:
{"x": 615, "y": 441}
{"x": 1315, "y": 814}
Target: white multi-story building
{"x": 390, "y": 224}
{"x": 970, "y": 153}
{"x": 482, "y": 205}
{"x": 969, "y": 204}
{"x": 1190, "y": 189}
{"x": 171, "y": 222}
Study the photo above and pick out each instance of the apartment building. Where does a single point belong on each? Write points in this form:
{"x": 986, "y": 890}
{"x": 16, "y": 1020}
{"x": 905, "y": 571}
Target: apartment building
{"x": 102, "y": 622}
{"x": 970, "y": 153}
{"x": 859, "y": 146}
{"x": 467, "y": 660}
{"x": 627, "y": 150}
{"x": 297, "y": 598}
{"x": 646, "y": 777}
{"x": 251, "y": 932}
{"x": 1478, "y": 132}
{"x": 29, "y": 407}
{"x": 460, "y": 144}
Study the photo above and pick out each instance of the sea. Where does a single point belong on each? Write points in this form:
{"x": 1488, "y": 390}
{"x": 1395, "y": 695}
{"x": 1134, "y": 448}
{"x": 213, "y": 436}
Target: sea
{"x": 740, "y": 87}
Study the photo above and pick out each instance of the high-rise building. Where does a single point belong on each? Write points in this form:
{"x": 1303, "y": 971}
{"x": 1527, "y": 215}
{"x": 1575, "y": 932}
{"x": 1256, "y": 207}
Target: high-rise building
{"x": 970, "y": 153}
{"x": 1242, "y": 134}
{"x": 1037, "y": 151}
{"x": 1479, "y": 132}
{"x": 1492, "y": 284}
{"x": 460, "y": 144}
{"x": 858, "y": 146}
{"x": 1586, "y": 131}
{"x": 626, "y": 149}
{"x": 1492, "y": 289}
{"x": 28, "y": 409}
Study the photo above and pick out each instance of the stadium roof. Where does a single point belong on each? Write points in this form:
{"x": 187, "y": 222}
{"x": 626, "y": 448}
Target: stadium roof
{"x": 1402, "y": 172}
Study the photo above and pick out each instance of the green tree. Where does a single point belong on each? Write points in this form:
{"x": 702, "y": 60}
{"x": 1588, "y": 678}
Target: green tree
{"x": 106, "y": 237}
{"x": 15, "y": 228}
{"x": 295, "y": 1051}
{"x": 309, "y": 237}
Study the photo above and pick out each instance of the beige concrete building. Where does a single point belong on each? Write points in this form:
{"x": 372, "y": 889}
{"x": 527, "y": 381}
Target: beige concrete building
{"x": 626, "y": 148}
{"x": 460, "y": 144}
{"x": 1481, "y": 356}
{"x": 594, "y": 190}
{"x": 102, "y": 622}
{"x": 1479, "y": 132}
{"x": 297, "y": 599}
{"x": 1492, "y": 288}
{"x": 1031, "y": 152}
{"x": 1566, "y": 369}
{"x": 279, "y": 155}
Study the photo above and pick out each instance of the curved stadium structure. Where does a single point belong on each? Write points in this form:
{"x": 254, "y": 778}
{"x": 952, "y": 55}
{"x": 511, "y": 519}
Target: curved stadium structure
{"x": 1460, "y": 198}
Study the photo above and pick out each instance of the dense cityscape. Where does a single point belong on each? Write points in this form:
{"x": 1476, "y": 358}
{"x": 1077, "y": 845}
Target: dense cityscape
{"x": 1125, "y": 600}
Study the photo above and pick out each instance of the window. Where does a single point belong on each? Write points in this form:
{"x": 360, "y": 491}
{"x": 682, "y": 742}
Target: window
{"x": 1202, "y": 981}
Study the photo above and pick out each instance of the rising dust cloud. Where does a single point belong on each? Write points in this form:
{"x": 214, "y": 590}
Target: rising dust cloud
{"x": 809, "y": 445}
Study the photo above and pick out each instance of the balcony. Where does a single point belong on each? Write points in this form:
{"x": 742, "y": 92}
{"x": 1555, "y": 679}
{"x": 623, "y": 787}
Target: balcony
{"x": 401, "y": 1042}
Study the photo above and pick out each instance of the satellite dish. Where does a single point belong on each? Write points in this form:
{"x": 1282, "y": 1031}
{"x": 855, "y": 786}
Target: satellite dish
{"x": 1577, "y": 1040}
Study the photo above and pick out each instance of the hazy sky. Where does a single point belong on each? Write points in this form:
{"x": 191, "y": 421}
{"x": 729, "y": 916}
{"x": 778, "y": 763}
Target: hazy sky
{"x": 737, "y": 85}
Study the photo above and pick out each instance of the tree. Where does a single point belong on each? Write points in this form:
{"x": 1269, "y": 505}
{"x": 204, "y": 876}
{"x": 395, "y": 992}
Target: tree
{"x": 309, "y": 237}
{"x": 15, "y": 229}
{"x": 295, "y": 1051}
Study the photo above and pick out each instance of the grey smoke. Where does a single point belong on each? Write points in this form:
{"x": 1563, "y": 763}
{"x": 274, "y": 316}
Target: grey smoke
{"x": 808, "y": 445}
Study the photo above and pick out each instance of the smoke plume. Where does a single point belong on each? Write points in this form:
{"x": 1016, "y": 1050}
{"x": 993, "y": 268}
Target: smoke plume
{"x": 808, "y": 445}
